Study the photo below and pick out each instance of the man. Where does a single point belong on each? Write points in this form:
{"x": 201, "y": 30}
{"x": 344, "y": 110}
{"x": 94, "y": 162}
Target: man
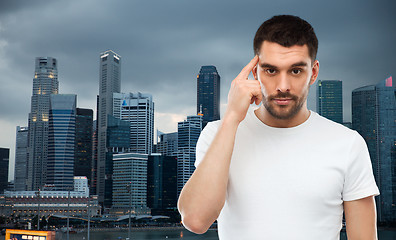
{"x": 280, "y": 171}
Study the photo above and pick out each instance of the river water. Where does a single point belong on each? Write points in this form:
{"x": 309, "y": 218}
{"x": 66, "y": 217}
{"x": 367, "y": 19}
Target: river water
{"x": 168, "y": 234}
{"x": 177, "y": 234}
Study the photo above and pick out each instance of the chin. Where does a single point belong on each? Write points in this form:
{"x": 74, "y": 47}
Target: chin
{"x": 282, "y": 112}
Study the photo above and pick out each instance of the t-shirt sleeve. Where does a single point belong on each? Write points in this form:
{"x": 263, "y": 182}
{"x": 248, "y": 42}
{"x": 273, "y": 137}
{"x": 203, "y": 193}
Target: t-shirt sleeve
{"x": 359, "y": 179}
{"x": 204, "y": 140}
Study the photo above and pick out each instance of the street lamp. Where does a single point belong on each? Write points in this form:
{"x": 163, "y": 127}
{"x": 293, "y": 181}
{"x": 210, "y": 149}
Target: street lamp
{"x": 38, "y": 212}
{"x": 68, "y": 212}
{"x": 89, "y": 216}
{"x": 129, "y": 189}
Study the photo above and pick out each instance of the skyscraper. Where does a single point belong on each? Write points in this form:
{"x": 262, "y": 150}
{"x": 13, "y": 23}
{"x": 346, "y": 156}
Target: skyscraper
{"x": 109, "y": 83}
{"x": 373, "y": 116}
{"x": 83, "y": 145}
{"x": 329, "y": 99}
{"x": 188, "y": 133}
{"x": 138, "y": 110}
{"x": 20, "y": 173}
{"x": 117, "y": 142}
{"x": 208, "y": 94}
{"x": 61, "y": 141}
{"x": 45, "y": 83}
{"x": 130, "y": 174}
{"x": 161, "y": 181}
{"x": 168, "y": 144}
{"x": 4, "y": 161}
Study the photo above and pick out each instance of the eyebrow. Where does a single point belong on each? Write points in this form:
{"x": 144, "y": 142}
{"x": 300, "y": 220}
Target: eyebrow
{"x": 298, "y": 64}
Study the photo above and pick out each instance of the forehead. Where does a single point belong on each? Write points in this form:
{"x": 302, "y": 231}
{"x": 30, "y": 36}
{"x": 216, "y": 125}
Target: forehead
{"x": 278, "y": 55}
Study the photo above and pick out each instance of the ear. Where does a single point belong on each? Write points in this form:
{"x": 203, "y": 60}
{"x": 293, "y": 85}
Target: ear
{"x": 254, "y": 71}
{"x": 315, "y": 72}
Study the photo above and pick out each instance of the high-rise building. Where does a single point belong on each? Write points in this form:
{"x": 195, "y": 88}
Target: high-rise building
{"x": 20, "y": 172}
{"x": 138, "y": 110}
{"x": 45, "y": 83}
{"x": 61, "y": 141}
{"x": 117, "y": 142}
{"x": 130, "y": 181}
{"x": 208, "y": 94}
{"x": 118, "y": 132}
{"x": 373, "y": 116}
{"x": 168, "y": 144}
{"x": 92, "y": 187}
{"x": 161, "y": 181}
{"x": 83, "y": 146}
{"x": 109, "y": 83}
{"x": 4, "y": 161}
{"x": 329, "y": 100}
{"x": 188, "y": 133}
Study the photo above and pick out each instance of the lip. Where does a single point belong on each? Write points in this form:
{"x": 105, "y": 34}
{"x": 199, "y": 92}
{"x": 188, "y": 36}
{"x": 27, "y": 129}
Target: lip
{"x": 283, "y": 101}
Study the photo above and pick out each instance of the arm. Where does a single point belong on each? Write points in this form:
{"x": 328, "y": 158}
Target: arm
{"x": 203, "y": 196}
{"x": 361, "y": 219}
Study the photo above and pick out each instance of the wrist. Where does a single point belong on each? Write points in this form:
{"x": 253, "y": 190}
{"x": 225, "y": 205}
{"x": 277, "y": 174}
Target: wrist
{"x": 230, "y": 119}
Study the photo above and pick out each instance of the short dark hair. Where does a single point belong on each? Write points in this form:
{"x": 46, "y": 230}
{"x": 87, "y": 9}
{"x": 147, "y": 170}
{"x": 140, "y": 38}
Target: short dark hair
{"x": 287, "y": 30}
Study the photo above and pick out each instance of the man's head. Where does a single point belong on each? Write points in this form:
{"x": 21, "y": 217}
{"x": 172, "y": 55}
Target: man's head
{"x": 287, "y": 31}
{"x": 286, "y": 46}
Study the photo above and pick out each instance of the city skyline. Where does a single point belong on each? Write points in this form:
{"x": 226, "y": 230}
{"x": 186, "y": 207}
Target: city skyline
{"x": 356, "y": 44}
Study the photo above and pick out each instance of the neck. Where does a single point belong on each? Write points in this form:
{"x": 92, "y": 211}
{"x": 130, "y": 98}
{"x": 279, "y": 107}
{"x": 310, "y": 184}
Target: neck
{"x": 264, "y": 116}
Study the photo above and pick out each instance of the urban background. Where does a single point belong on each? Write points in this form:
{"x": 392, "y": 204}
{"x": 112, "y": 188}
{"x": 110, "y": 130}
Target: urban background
{"x": 102, "y": 104}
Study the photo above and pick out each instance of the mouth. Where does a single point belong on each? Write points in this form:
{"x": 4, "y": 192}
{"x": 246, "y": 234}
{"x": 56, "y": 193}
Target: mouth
{"x": 283, "y": 101}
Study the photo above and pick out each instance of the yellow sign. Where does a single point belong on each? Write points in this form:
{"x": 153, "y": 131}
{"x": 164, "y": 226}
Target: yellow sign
{"x": 19, "y": 234}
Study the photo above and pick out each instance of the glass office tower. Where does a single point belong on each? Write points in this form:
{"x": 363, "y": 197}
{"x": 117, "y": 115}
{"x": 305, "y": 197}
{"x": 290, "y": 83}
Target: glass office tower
{"x": 61, "y": 141}
{"x": 188, "y": 133}
{"x": 329, "y": 100}
{"x": 208, "y": 94}
{"x": 374, "y": 117}
{"x": 20, "y": 173}
{"x": 45, "y": 83}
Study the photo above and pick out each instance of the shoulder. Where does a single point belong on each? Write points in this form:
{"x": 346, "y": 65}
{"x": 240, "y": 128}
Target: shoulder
{"x": 336, "y": 134}
{"x": 209, "y": 131}
{"x": 330, "y": 128}
{"x": 205, "y": 139}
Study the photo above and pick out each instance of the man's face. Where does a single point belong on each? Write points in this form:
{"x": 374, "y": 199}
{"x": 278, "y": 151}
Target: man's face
{"x": 285, "y": 75}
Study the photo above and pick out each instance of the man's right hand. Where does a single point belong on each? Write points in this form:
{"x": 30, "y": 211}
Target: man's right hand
{"x": 243, "y": 92}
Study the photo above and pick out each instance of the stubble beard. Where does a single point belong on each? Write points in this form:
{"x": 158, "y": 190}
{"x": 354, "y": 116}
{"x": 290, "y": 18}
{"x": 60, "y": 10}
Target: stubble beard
{"x": 284, "y": 113}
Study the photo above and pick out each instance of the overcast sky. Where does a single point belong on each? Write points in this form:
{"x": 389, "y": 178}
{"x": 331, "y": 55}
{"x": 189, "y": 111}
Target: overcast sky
{"x": 164, "y": 43}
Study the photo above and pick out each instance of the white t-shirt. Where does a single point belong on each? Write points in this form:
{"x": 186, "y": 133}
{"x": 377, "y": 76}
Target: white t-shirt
{"x": 290, "y": 183}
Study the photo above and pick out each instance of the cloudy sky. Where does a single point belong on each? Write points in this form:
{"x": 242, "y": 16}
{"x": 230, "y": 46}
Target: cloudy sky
{"x": 164, "y": 43}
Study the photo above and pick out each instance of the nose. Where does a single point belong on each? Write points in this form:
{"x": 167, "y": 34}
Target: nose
{"x": 283, "y": 83}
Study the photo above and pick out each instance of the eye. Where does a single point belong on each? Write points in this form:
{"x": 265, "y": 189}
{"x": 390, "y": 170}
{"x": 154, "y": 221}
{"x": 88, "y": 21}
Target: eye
{"x": 296, "y": 71}
{"x": 270, "y": 71}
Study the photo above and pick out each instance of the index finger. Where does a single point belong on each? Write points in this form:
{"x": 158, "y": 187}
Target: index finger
{"x": 248, "y": 68}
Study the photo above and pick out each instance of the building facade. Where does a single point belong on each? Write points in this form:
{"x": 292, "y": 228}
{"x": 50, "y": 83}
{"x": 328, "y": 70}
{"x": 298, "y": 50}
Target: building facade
{"x": 138, "y": 110}
{"x": 208, "y": 94}
{"x": 373, "y": 116}
{"x": 83, "y": 143}
{"x": 188, "y": 133}
{"x": 109, "y": 83}
{"x": 161, "y": 181}
{"x": 4, "y": 161}
{"x": 329, "y": 100}
{"x": 77, "y": 202}
{"x": 117, "y": 142}
{"x": 167, "y": 144}
{"x": 45, "y": 83}
{"x": 61, "y": 141}
{"x": 20, "y": 172}
{"x": 130, "y": 183}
